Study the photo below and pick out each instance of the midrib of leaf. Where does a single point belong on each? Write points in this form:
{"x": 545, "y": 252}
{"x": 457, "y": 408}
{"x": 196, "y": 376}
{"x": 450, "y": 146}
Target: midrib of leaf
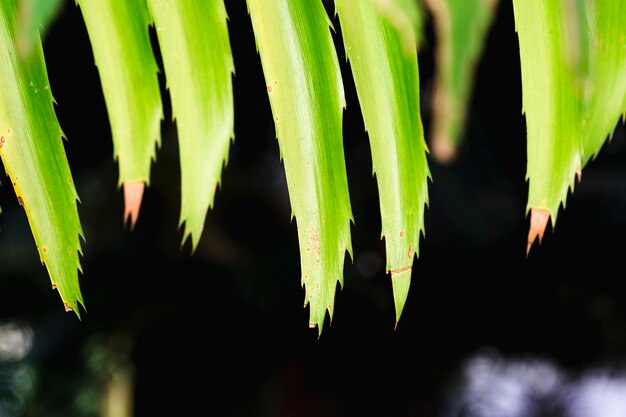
{"x": 118, "y": 32}
{"x": 34, "y": 157}
{"x": 307, "y": 99}
{"x": 606, "y": 86}
{"x": 552, "y": 97}
{"x": 194, "y": 43}
{"x": 387, "y": 82}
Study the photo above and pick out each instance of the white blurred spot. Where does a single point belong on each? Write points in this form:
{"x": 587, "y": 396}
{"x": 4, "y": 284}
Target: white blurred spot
{"x": 599, "y": 395}
{"x": 16, "y": 340}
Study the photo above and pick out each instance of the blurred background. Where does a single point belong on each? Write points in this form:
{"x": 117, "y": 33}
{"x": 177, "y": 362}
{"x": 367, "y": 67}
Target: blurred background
{"x": 223, "y": 332}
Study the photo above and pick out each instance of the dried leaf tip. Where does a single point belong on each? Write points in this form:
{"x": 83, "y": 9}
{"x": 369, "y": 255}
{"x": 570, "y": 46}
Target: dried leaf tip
{"x": 133, "y": 194}
{"x": 538, "y": 223}
{"x": 443, "y": 149}
{"x": 579, "y": 175}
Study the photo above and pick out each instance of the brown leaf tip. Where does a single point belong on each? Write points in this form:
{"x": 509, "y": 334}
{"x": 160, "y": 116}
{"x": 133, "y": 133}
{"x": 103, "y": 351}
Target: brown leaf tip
{"x": 67, "y": 307}
{"x": 538, "y": 223}
{"x": 133, "y": 194}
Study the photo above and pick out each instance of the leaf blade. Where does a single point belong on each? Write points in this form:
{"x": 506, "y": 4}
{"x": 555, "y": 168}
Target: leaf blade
{"x": 198, "y": 67}
{"x": 34, "y": 158}
{"x": 307, "y": 99}
{"x": 606, "y": 87}
{"x": 387, "y": 81}
{"x": 461, "y": 28}
{"x": 118, "y": 32}
{"x": 552, "y": 97}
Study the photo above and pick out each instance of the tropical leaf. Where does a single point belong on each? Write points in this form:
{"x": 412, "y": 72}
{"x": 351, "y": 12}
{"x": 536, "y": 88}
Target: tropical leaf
{"x": 606, "y": 86}
{"x": 461, "y": 28}
{"x": 120, "y": 41}
{"x": 552, "y": 93}
{"x": 33, "y": 155}
{"x": 387, "y": 82}
{"x": 307, "y": 99}
{"x": 194, "y": 43}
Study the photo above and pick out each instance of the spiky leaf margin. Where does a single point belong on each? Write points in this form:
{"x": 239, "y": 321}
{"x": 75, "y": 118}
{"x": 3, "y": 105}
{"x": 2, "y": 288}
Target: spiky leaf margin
{"x": 387, "y": 82}
{"x": 119, "y": 36}
{"x": 307, "y": 99}
{"x": 606, "y": 85}
{"x": 552, "y": 94}
{"x": 32, "y": 151}
{"x": 193, "y": 39}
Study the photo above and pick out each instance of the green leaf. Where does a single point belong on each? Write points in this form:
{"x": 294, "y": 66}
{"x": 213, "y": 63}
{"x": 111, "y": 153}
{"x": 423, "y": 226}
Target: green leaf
{"x": 194, "y": 43}
{"x": 606, "y": 86}
{"x": 33, "y": 155}
{"x": 307, "y": 100}
{"x": 387, "y": 81}
{"x": 118, "y": 31}
{"x": 461, "y": 28}
{"x": 552, "y": 93}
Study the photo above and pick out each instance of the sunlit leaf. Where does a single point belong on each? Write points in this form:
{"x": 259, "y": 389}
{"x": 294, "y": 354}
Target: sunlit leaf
{"x": 387, "y": 82}
{"x": 461, "y": 28}
{"x": 307, "y": 100}
{"x": 194, "y": 43}
{"x": 552, "y": 93}
{"x": 33, "y": 155}
{"x": 118, "y": 31}
{"x": 606, "y": 87}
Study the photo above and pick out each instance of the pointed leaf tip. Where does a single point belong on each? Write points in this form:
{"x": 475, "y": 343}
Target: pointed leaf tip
{"x": 579, "y": 175}
{"x": 401, "y": 281}
{"x": 133, "y": 194}
{"x": 538, "y": 223}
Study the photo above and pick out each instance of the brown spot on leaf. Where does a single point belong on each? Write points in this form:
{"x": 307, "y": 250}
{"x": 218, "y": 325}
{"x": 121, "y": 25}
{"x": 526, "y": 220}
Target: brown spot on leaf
{"x": 20, "y": 200}
{"x": 410, "y": 251}
{"x": 397, "y": 271}
{"x": 401, "y": 233}
{"x": 67, "y": 308}
{"x": 269, "y": 88}
{"x": 133, "y": 194}
{"x": 538, "y": 223}
{"x": 44, "y": 249}
{"x": 54, "y": 286}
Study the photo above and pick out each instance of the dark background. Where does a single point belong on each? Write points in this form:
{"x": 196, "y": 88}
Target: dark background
{"x": 223, "y": 332}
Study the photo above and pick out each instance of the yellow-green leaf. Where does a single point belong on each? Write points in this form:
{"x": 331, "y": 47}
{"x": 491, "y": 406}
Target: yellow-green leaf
{"x": 461, "y": 28}
{"x": 307, "y": 99}
{"x": 194, "y": 43}
{"x": 387, "y": 82}
{"x": 552, "y": 94}
{"x": 118, "y": 31}
{"x": 33, "y": 155}
{"x": 606, "y": 85}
